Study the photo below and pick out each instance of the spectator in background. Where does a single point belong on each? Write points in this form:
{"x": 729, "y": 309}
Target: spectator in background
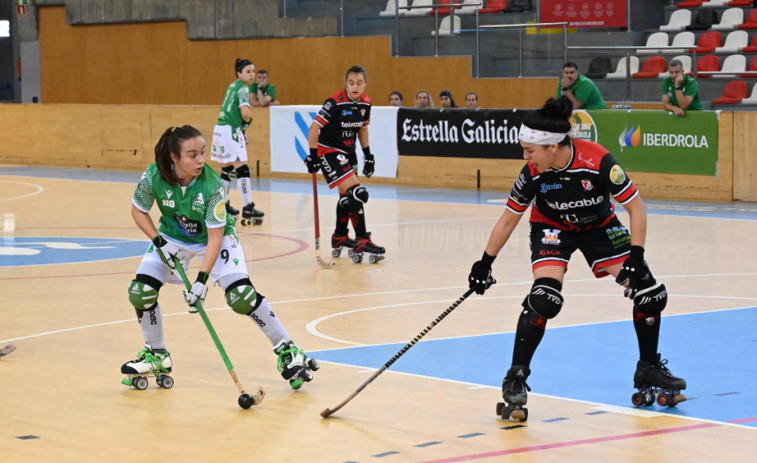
{"x": 423, "y": 99}
{"x": 579, "y": 89}
{"x": 396, "y": 99}
{"x": 263, "y": 92}
{"x": 680, "y": 92}
{"x": 471, "y": 100}
{"x": 445, "y": 100}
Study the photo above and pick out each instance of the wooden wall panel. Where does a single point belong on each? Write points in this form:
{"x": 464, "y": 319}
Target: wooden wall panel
{"x": 745, "y": 157}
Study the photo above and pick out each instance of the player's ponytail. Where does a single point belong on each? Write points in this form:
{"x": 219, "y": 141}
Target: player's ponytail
{"x": 554, "y": 117}
{"x": 170, "y": 142}
{"x": 241, "y": 63}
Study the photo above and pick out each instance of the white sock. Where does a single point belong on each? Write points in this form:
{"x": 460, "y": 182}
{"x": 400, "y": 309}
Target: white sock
{"x": 245, "y": 188}
{"x": 266, "y": 319}
{"x": 226, "y": 187}
{"x": 152, "y": 328}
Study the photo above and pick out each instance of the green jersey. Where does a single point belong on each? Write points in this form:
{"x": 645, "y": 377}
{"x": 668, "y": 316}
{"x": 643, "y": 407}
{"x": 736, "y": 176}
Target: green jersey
{"x": 585, "y": 91}
{"x": 237, "y": 95}
{"x": 270, "y": 90}
{"x": 186, "y": 212}
{"x": 690, "y": 88}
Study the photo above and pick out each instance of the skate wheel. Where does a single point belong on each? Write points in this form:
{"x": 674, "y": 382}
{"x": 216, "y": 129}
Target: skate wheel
{"x": 165, "y": 381}
{"x": 258, "y": 221}
{"x": 520, "y": 414}
{"x": 357, "y": 258}
{"x": 663, "y": 400}
{"x": 140, "y": 382}
{"x": 336, "y": 252}
{"x": 350, "y": 253}
{"x": 637, "y": 399}
{"x": 245, "y": 222}
{"x": 314, "y": 364}
{"x": 373, "y": 259}
{"x": 500, "y": 406}
{"x": 505, "y": 411}
{"x": 296, "y": 383}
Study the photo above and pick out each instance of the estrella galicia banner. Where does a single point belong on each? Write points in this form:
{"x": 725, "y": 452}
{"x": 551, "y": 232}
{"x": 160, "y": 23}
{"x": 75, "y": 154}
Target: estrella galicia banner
{"x": 460, "y": 133}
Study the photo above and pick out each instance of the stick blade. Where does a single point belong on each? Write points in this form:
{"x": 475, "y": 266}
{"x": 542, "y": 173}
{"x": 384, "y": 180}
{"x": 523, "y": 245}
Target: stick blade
{"x": 259, "y": 396}
{"x": 327, "y": 412}
{"x": 325, "y": 264}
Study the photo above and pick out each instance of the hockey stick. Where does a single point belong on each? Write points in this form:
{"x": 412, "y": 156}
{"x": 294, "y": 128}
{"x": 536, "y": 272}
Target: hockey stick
{"x": 245, "y": 400}
{"x": 321, "y": 262}
{"x": 7, "y": 350}
{"x": 330, "y": 411}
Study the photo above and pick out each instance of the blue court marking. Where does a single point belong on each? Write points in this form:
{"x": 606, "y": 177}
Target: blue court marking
{"x": 713, "y": 351}
{"x": 428, "y": 444}
{"x": 46, "y": 250}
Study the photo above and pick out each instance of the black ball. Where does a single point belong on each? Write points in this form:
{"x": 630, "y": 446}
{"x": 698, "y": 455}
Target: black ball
{"x": 245, "y": 401}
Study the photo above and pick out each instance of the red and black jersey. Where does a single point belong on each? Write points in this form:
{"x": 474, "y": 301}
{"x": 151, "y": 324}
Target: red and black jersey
{"x": 340, "y": 119}
{"x": 576, "y": 197}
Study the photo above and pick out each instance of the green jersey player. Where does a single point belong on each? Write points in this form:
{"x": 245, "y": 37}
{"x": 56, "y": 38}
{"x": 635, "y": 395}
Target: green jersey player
{"x": 194, "y": 223}
{"x": 229, "y": 145}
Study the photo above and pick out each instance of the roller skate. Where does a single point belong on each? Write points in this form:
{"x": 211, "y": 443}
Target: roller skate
{"x": 231, "y": 210}
{"x": 515, "y": 394}
{"x": 250, "y": 215}
{"x": 655, "y": 378}
{"x": 294, "y": 365}
{"x": 149, "y": 362}
{"x": 340, "y": 242}
{"x": 366, "y": 246}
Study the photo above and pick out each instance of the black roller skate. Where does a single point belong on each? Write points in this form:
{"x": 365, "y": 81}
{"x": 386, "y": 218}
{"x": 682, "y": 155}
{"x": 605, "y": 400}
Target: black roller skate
{"x": 250, "y": 215}
{"x": 231, "y": 210}
{"x": 341, "y": 242}
{"x": 655, "y": 378}
{"x": 366, "y": 246}
{"x": 294, "y": 365}
{"x": 515, "y": 394}
{"x": 149, "y": 362}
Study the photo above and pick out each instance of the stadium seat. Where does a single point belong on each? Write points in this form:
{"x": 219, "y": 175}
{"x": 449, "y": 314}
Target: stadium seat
{"x": 678, "y": 21}
{"x": 751, "y": 21}
{"x": 730, "y": 20}
{"x": 703, "y": 20}
{"x": 752, "y": 67}
{"x": 494, "y": 6}
{"x": 443, "y": 9}
{"x": 444, "y": 25}
{"x": 734, "y": 42}
{"x": 735, "y": 63}
{"x": 708, "y": 42}
{"x": 421, "y": 11}
{"x": 518, "y": 6}
{"x": 707, "y": 63}
{"x": 733, "y": 93}
{"x": 659, "y": 39}
{"x": 690, "y": 4}
{"x": 740, "y": 3}
{"x": 685, "y": 62}
{"x": 390, "y": 5}
{"x": 685, "y": 39}
{"x": 652, "y": 67}
{"x": 622, "y": 67}
{"x": 752, "y": 99}
{"x": 599, "y": 67}
{"x": 470, "y": 6}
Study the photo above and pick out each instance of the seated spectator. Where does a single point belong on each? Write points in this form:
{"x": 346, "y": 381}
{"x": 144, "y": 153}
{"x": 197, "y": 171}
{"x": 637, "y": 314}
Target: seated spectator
{"x": 396, "y": 99}
{"x": 423, "y": 99}
{"x": 262, "y": 91}
{"x": 446, "y": 101}
{"x": 579, "y": 89}
{"x": 680, "y": 92}
{"x": 471, "y": 100}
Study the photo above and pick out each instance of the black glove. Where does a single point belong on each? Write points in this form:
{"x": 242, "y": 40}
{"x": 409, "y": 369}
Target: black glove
{"x": 480, "y": 278}
{"x": 635, "y": 271}
{"x": 369, "y": 162}
{"x": 167, "y": 251}
{"x": 313, "y": 161}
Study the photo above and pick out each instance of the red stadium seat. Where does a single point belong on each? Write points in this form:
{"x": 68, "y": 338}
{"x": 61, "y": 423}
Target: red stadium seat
{"x": 752, "y": 47}
{"x": 751, "y": 21}
{"x": 707, "y": 63}
{"x": 741, "y": 3}
{"x": 494, "y": 6}
{"x": 444, "y": 9}
{"x": 651, "y": 68}
{"x": 733, "y": 93}
{"x": 752, "y": 67}
{"x": 690, "y": 4}
{"x": 708, "y": 42}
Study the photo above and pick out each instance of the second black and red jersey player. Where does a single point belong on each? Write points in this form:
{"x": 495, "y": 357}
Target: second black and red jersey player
{"x": 341, "y": 122}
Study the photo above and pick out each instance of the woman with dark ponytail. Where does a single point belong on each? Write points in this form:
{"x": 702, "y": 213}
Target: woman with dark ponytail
{"x": 229, "y": 145}
{"x": 570, "y": 184}
{"x": 193, "y": 223}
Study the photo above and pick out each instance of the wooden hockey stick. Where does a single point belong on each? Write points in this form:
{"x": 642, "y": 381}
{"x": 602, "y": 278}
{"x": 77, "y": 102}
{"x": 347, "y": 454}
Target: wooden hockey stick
{"x": 318, "y": 258}
{"x": 245, "y": 400}
{"x": 330, "y": 411}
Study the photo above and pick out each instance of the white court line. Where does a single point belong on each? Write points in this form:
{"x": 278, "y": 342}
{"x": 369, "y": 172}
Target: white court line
{"x": 39, "y": 188}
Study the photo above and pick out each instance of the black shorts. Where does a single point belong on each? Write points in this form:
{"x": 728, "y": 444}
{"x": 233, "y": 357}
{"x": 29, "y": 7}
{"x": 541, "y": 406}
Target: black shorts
{"x": 601, "y": 247}
{"x": 336, "y": 167}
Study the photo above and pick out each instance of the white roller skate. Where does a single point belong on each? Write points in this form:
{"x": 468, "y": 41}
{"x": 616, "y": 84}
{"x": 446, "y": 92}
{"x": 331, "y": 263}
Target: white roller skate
{"x": 294, "y": 365}
{"x": 149, "y": 362}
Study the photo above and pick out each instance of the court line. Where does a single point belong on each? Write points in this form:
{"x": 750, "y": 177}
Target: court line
{"x": 40, "y": 189}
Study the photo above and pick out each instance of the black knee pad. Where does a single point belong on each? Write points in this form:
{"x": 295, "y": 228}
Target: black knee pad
{"x": 354, "y": 199}
{"x": 243, "y": 171}
{"x": 652, "y": 300}
{"x": 545, "y": 298}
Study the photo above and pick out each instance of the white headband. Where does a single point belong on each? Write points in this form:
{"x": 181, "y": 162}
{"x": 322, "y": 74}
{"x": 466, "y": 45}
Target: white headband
{"x": 540, "y": 137}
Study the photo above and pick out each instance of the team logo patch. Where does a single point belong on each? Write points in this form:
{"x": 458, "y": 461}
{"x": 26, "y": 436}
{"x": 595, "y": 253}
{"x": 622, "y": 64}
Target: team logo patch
{"x": 342, "y": 159}
{"x": 362, "y": 112}
{"x": 551, "y": 236}
{"x": 587, "y": 185}
{"x": 617, "y": 175}
{"x": 220, "y": 212}
{"x": 582, "y": 126}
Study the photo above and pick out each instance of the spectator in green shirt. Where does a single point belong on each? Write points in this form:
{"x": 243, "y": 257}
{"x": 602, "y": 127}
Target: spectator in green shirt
{"x": 264, "y": 92}
{"x": 680, "y": 92}
{"x": 579, "y": 89}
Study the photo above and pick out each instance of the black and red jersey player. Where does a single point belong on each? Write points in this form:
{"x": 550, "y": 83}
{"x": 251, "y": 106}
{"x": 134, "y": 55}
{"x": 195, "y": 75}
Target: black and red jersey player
{"x": 569, "y": 185}
{"x": 343, "y": 120}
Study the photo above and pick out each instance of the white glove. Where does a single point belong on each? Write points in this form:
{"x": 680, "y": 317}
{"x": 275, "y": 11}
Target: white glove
{"x": 198, "y": 291}
{"x": 167, "y": 251}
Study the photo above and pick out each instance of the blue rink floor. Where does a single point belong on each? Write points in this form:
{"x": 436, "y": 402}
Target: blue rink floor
{"x": 713, "y": 351}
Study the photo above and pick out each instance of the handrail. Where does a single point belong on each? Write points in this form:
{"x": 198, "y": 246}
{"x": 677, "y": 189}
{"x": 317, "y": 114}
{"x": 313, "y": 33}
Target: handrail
{"x": 436, "y": 7}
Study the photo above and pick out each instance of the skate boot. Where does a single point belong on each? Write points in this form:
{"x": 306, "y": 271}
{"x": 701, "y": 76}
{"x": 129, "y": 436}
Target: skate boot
{"x": 149, "y": 362}
{"x": 366, "y": 246}
{"x": 340, "y": 242}
{"x": 250, "y": 215}
{"x": 515, "y": 394}
{"x": 294, "y": 365}
{"x": 231, "y": 210}
{"x": 655, "y": 378}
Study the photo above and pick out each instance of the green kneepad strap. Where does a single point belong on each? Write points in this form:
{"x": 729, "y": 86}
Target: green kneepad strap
{"x": 142, "y": 296}
{"x": 243, "y": 299}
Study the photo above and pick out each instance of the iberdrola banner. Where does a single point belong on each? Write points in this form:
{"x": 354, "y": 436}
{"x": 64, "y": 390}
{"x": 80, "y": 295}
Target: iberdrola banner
{"x": 654, "y": 141}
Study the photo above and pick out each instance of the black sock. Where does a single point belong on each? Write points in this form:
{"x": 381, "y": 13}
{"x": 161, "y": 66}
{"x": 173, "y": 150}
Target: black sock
{"x": 342, "y": 219}
{"x": 648, "y": 334}
{"x": 528, "y": 335}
